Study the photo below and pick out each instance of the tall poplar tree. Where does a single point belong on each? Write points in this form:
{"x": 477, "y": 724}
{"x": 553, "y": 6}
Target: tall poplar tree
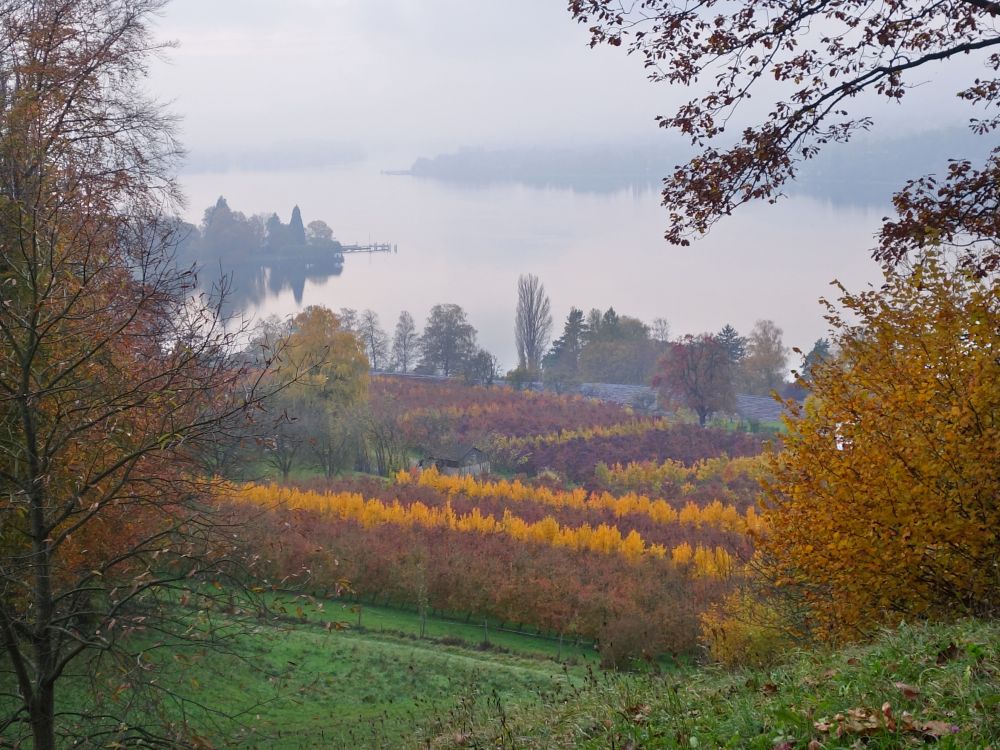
{"x": 296, "y": 229}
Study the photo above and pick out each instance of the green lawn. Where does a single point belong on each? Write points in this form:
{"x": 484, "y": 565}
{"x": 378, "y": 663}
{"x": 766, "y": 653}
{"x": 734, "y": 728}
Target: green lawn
{"x": 295, "y": 683}
{"x": 376, "y": 620}
{"x": 354, "y": 690}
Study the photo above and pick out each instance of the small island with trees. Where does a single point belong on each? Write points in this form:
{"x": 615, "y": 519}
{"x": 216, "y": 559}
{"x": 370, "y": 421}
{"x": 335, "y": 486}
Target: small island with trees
{"x": 260, "y": 254}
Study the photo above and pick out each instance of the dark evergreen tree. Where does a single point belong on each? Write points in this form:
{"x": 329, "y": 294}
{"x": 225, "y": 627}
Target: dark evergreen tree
{"x": 609, "y": 323}
{"x": 567, "y": 347}
{"x": 735, "y": 345}
{"x": 562, "y": 362}
{"x": 296, "y": 229}
{"x": 819, "y": 352}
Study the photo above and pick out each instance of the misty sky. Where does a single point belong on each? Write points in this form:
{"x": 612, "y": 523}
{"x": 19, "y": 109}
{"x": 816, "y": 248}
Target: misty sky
{"x": 419, "y": 76}
{"x": 399, "y": 74}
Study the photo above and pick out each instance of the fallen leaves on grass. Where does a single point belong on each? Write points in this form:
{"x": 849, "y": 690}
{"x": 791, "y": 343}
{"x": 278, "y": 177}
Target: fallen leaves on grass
{"x": 638, "y": 714}
{"x": 909, "y": 692}
{"x": 864, "y": 722}
{"x": 938, "y": 728}
{"x": 859, "y": 721}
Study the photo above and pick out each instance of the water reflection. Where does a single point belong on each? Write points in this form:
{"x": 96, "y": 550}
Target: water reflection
{"x": 253, "y": 282}
{"x": 467, "y": 245}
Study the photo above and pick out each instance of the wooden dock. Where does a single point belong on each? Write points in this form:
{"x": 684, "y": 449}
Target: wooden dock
{"x": 371, "y": 247}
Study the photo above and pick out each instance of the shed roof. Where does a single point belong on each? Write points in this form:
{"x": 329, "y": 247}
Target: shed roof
{"x": 455, "y": 453}
{"x": 760, "y": 408}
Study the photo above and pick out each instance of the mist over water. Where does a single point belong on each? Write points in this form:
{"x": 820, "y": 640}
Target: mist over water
{"x": 467, "y": 244}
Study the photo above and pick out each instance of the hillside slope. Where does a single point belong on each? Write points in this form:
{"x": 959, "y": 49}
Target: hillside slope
{"x": 913, "y": 686}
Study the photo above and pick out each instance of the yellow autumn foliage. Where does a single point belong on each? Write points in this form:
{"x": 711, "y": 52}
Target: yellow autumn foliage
{"x": 604, "y": 539}
{"x": 745, "y": 630}
{"x": 630, "y": 428}
{"x": 884, "y": 501}
{"x": 714, "y": 514}
{"x": 669, "y": 474}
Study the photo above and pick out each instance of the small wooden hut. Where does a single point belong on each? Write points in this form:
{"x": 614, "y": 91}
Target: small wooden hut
{"x": 460, "y": 460}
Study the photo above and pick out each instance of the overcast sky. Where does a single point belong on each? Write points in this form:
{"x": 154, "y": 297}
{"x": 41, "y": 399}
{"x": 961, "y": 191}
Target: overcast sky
{"x": 399, "y": 74}
{"x": 416, "y": 76}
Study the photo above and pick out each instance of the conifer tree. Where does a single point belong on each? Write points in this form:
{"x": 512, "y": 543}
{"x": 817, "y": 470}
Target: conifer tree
{"x": 296, "y": 229}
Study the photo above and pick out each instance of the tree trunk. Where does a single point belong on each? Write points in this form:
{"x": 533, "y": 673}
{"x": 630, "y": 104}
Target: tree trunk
{"x": 42, "y": 714}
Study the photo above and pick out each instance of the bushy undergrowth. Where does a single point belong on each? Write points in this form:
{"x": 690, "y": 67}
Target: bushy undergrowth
{"x": 912, "y": 686}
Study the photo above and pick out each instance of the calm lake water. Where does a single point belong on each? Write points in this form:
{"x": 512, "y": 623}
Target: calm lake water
{"x": 468, "y": 244}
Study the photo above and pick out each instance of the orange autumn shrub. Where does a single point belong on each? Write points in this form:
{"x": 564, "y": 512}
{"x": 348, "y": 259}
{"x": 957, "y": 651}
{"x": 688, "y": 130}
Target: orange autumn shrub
{"x": 884, "y": 501}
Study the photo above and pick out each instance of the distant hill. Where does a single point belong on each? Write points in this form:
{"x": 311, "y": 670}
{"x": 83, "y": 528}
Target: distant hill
{"x": 865, "y": 172}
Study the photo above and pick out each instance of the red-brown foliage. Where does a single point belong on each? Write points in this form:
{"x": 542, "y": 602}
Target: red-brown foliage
{"x": 554, "y": 589}
{"x": 465, "y": 412}
{"x": 577, "y": 458}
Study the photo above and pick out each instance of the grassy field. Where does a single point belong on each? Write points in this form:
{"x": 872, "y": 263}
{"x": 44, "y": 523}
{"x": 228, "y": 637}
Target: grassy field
{"x": 919, "y": 685}
{"x": 298, "y": 683}
{"x": 369, "y": 619}
{"x": 311, "y": 688}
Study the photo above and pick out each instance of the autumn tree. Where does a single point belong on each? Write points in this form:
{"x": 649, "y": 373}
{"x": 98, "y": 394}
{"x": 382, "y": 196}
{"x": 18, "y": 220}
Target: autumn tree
{"x": 375, "y": 341}
{"x": 448, "y": 341}
{"x": 348, "y": 319}
{"x": 532, "y": 324}
{"x": 322, "y": 378}
{"x": 405, "y": 343}
{"x": 696, "y": 372}
{"x": 811, "y": 62}
{"x": 765, "y": 364}
{"x": 115, "y": 378}
{"x": 883, "y": 504}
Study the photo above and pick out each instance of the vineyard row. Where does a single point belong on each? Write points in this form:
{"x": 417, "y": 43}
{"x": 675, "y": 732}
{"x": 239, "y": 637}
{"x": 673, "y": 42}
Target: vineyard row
{"x": 701, "y": 561}
{"x": 714, "y": 514}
